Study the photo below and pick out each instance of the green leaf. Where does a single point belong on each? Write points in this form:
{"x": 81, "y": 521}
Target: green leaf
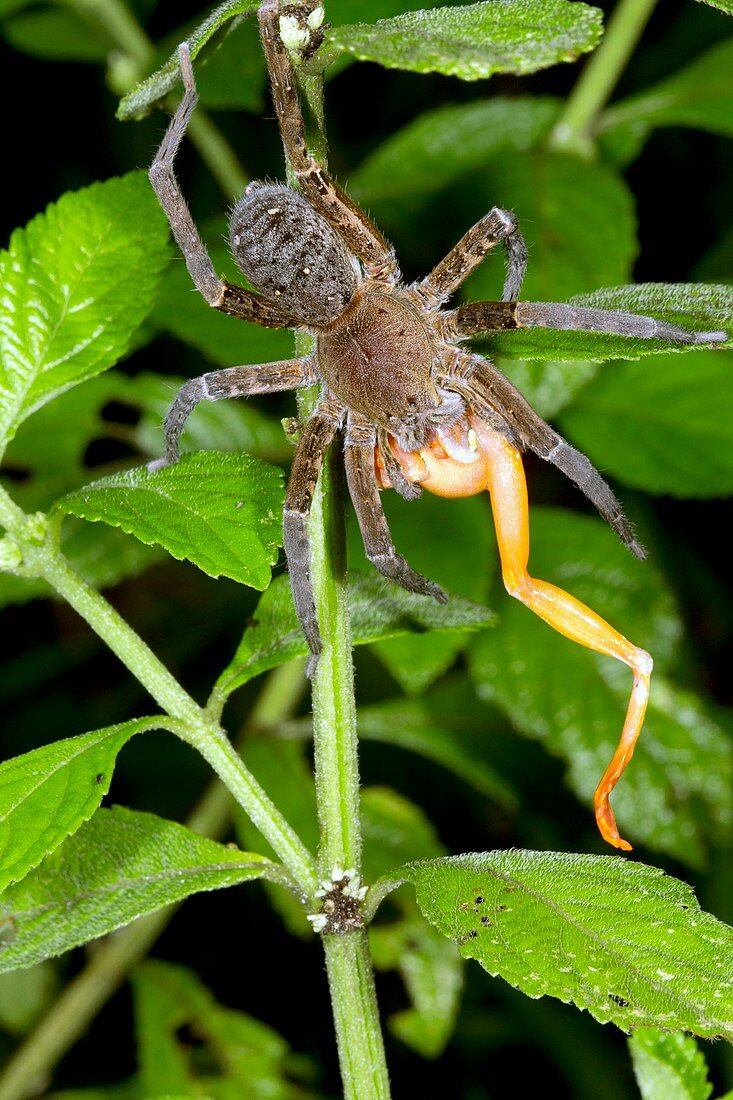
{"x": 76, "y": 283}
{"x": 668, "y": 1064}
{"x": 577, "y": 217}
{"x": 441, "y": 146}
{"x": 475, "y": 41}
{"x": 220, "y": 511}
{"x": 139, "y": 101}
{"x": 440, "y": 727}
{"x": 695, "y": 306}
{"x": 57, "y": 35}
{"x": 655, "y": 425}
{"x": 115, "y": 868}
{"x": 619, "y": 939}
{"x": 45, "y": 795}
{"x": 379, "y": 609}
{"x": 244, "y": 1056}
{"x": 722, "y": 5}
{"x": 699, "y": 95}
{"x": 347, "y": 11}
{"x": 677, "y": 793}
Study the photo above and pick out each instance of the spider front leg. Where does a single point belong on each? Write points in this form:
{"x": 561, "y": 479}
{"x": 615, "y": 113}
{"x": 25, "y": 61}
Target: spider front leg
{"x": 496, "y": 226}
{"x": 356, "y": 229}
{"x": 497, "y": 466}
{"x": 315, "y": 440}
{"x": 219, "y": 294}
{"x": 361, "y": 438}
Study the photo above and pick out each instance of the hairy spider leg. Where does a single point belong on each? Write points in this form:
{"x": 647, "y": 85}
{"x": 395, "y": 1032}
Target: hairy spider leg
{"x": 361, "y": 475}
{"x": 219, "y": 294}
{"x": 489, "y": 461}
{"x": 354, "y": 226}
{"x": 473, "y": 247}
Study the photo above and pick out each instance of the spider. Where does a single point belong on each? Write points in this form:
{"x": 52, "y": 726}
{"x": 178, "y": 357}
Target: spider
{"x": 417, "y": 409}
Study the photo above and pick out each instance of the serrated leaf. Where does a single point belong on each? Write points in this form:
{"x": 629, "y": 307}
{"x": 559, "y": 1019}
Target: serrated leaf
{"x": 721, "y": 5}
{"x": 223, "y": 512}
{"x": 677, "y": 794}
{"x": 76, "y": 284}
{"x": 115, "y": 868}
{"x": 577, "y": 218}
{"x": 378, "y": 610}
{"x": 696, "y": 306}
{"x": 46, "y": 794}
{"x": 477, "y": 40}
{"x": 140, "y": 100}
{"x": 668, "y": 1064}
{"x": 58, "y": 35}
{"x": 699, "y": 95}
{"x": 441, "y": 146}
{"x": 662, "y": 426}
{"x": 623, "y": 941}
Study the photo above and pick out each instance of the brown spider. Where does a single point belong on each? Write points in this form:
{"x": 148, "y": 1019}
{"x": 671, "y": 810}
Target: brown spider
{"x": 416, "y": 407}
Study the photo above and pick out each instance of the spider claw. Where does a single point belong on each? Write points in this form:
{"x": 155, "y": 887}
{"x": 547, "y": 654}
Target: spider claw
{"x": 437, "y": 593}
{"x": 310, "y": 668}
{"x": 184, "y": 60}
{"x": 157, "y": 464}
{"x": 711, "y": 337}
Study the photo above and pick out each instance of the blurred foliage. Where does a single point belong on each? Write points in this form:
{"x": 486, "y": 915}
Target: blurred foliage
{"x": 488, "y": 758}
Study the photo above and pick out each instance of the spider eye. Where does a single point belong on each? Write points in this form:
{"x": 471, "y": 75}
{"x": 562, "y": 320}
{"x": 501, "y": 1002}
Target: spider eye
{"x": 291, "y": 254}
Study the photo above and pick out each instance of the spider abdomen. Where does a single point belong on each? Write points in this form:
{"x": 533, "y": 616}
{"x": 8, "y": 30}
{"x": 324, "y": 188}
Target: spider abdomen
{"x": 291, "y": 254}
{"x": 379, "y": 362}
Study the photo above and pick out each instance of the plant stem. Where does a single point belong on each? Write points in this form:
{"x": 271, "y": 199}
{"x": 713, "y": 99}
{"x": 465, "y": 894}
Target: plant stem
{"x": 193, "y": 724}
{"x": 573, "y": 131}
{"x": 70, "y": 1016}
{"x": 361, "y": 1050}
{"x": 335, "y": 745}
{"x": 334, "y": 706}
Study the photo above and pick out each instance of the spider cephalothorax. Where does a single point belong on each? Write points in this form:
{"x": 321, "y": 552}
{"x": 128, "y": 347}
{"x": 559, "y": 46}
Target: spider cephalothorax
{"x": 415, "y": 406}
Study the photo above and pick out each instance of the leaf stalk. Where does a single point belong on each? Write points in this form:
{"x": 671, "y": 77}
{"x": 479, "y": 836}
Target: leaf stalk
{"x": 573, "y": 131}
